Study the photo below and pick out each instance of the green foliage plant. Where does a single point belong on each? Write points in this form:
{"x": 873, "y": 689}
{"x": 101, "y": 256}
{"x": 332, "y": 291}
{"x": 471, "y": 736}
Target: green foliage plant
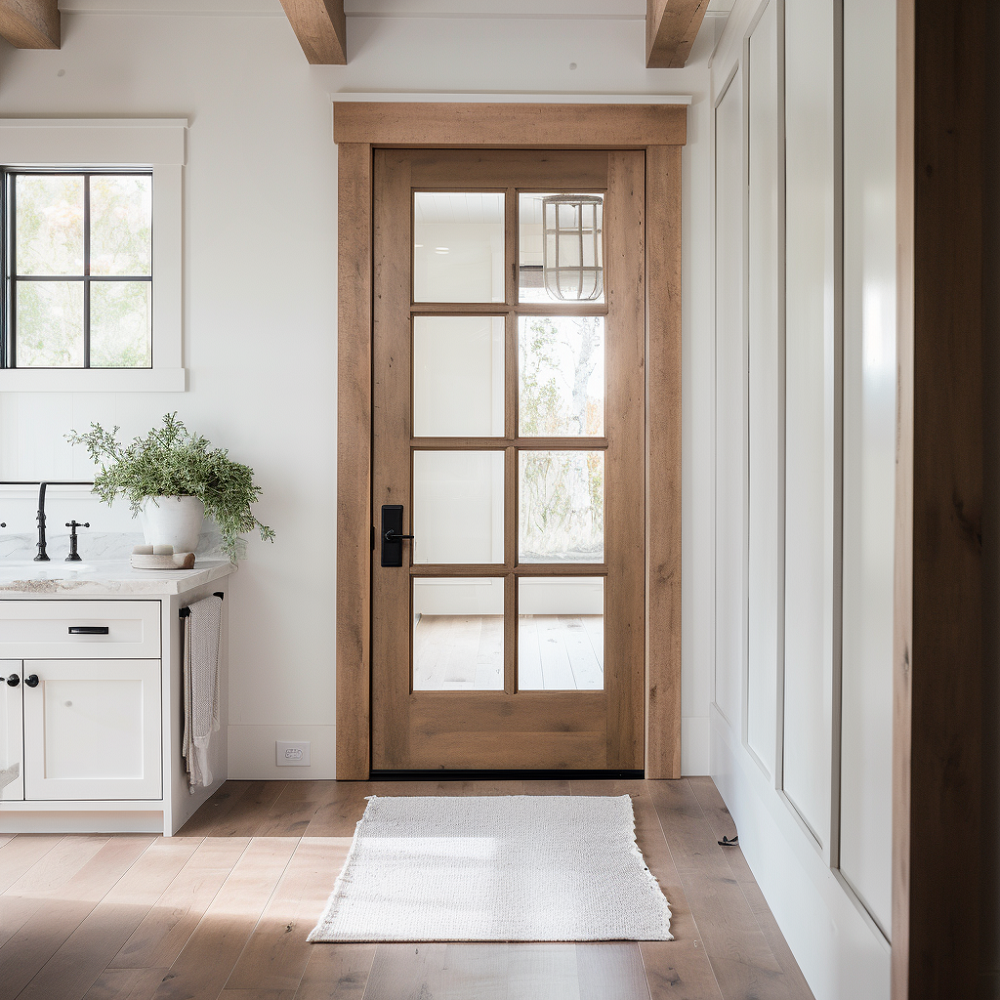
{"x": 173, "y": 461}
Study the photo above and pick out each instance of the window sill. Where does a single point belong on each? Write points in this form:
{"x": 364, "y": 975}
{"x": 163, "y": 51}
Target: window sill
{"x": 93, "y": 380}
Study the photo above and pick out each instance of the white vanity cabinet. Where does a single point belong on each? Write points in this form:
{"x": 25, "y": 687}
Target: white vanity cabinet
{"x": 90, "y": 707}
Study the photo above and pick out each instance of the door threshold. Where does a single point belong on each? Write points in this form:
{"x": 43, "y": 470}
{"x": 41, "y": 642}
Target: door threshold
{"x": 543, "y": 775}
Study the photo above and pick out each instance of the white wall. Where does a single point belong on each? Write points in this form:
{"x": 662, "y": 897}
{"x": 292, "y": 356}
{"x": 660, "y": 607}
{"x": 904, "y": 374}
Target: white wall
{"x": 814, "y": 818}
{"x": 260, "y": 289}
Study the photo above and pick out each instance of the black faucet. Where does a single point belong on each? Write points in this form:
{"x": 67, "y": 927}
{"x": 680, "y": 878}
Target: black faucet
{"x": 41, "y": 557}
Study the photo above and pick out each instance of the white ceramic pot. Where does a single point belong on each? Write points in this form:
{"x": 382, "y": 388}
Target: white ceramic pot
{"x": 173, "y": 521}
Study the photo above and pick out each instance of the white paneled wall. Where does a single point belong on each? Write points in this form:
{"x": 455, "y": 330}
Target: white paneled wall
{"x": 765, "y": 402}
{"x": 869, "y": 450}
{"x": 811, "y": 382}
{"x": 804, "y": 221}
{"x": 731, "y": 404}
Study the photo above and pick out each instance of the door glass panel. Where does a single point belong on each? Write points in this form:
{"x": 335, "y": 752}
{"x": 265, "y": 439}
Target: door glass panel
{"x": 458, "y": 634}
{"x": 458, "y": 499}
{"x": 458, "y": 369}
{"x": 560, "y": 633}
{"x": 103, "y": 716}
{"x": 561, "y": 248}
{"x": 458, "y": 246}
{"x": 561, "y": 372}
{"x": 561, "y": 506}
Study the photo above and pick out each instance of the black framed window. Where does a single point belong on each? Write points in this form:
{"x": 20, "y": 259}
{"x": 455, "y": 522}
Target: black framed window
{"x": 78, "y": 268}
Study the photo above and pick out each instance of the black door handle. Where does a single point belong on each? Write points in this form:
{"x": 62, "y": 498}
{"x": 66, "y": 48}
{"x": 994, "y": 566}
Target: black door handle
{"x": 392, "y": 534}
{"x": 31, "y": 681}
{"x": 13, "y": 681}
{"x": 89, "y": 630}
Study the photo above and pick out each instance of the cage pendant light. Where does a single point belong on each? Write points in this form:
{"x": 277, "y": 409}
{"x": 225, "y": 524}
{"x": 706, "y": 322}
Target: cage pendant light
{"x": 572, "y": 248}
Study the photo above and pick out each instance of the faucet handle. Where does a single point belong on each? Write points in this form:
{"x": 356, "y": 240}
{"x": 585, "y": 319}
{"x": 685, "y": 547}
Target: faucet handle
{"x": 74, "y": 556}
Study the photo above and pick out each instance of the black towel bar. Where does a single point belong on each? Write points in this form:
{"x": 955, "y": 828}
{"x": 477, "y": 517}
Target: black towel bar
{"x": 186, "y": 612}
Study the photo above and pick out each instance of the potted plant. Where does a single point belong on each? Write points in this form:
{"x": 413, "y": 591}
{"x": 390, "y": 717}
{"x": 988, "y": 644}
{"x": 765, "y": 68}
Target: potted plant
{"x": 175, "y": 478}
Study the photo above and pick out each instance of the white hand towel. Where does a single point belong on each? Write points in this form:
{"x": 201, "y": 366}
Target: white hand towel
{"x": 202, "y": 636}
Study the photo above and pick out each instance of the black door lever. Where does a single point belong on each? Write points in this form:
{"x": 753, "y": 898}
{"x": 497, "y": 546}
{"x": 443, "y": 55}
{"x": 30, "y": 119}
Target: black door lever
{"x": 392, "y": 534}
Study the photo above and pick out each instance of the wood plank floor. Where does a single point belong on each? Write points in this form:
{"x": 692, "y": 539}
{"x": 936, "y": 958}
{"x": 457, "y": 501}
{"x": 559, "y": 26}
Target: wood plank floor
{"x": 221, "y": 912}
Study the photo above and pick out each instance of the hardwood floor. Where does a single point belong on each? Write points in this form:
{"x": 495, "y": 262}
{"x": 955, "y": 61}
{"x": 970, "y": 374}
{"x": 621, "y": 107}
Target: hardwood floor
{"x": 221, "y": 912}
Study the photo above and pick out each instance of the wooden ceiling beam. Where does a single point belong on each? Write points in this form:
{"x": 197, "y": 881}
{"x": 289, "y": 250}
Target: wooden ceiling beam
{"x": 30, "y": 24}
{"x": 671, "y": 28}
{"x": 321, "y": 28}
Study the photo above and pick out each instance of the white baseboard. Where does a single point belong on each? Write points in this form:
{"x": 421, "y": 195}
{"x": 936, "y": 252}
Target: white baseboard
{"x": 695, "y": 742}
{"x": 841, "y": 952}
{"x": 251, "y": 753}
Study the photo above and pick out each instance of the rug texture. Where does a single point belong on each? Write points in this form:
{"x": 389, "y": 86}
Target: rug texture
{"x": 496, "y": 868}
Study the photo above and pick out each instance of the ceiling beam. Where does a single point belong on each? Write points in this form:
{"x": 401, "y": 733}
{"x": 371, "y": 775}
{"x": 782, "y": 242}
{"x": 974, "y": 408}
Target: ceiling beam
{"x": 321, "y": 28}
{"x": 30, "y": 24}
{"x": 671, "y": 28}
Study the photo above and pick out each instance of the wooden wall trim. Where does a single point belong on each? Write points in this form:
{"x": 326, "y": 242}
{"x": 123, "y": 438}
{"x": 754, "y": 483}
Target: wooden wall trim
{"x": 663, "y": 461}
{"x": 584, "y": 126}
{"x": 354, "y": 395}
{"x": 660, "y": 130}
{"x": 30, "y": 24}
{"x": 938, "y": 642}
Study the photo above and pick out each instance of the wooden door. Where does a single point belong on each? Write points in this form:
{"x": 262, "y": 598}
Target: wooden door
{"x": 508, "y": 437}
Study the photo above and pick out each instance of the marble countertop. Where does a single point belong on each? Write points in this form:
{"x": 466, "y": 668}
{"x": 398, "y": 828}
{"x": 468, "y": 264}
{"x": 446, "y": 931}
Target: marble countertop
{"x": 105, "y": 578}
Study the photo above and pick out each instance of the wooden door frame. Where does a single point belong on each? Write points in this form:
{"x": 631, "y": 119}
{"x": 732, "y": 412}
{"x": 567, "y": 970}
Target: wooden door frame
{"x": 945, "y": 803}
{"x": 660, "y": 131}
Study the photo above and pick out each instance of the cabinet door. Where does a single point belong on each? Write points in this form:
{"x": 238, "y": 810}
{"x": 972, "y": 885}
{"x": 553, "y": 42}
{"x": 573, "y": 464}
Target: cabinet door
{"x": 92, "y": 729}
{"x": 11, "y": 745}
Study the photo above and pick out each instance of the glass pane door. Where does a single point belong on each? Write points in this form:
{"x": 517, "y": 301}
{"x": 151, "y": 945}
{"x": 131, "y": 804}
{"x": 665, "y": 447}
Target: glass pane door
{"x": 508, "y": 395}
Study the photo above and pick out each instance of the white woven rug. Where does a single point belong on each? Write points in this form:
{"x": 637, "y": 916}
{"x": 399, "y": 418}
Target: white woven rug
{"x": 497, "y": 868}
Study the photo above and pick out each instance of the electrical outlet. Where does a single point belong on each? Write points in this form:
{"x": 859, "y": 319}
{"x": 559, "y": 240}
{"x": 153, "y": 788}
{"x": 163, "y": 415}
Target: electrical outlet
{"x": 291, "y": 754}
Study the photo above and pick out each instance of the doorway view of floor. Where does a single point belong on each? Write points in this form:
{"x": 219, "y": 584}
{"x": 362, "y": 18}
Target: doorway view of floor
{"x": 465, "y": 652}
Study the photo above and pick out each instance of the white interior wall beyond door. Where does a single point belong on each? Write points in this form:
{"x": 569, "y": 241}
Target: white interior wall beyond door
{"x": 765, "y": 399}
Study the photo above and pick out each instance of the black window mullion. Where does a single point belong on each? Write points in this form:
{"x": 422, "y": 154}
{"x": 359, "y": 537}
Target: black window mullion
{"x": 10, "y": 289}
{"x": 86, "y": 270}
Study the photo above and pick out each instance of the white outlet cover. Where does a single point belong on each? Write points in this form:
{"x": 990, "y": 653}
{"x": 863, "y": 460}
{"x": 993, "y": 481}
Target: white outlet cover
{"x": 291, "y": 754}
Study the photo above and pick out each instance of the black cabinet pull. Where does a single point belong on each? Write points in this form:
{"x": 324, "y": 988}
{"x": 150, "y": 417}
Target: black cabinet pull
{"x": 13, "y": 681}
{"x": 89, "y": 629}
{"x": 31, "y": 681}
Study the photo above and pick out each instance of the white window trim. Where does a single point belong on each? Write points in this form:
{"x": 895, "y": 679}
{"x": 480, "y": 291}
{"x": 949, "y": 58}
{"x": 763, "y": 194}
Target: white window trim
{"x": 149, "y": 143}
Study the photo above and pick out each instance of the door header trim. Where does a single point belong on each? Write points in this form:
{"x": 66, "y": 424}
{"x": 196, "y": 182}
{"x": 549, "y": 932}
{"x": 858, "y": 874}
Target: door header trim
{"x": 543, "y": 126}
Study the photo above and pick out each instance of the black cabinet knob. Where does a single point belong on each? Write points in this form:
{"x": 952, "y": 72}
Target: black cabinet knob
{"x": 31, "y": 681}
{"x": 13, "y": 681}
